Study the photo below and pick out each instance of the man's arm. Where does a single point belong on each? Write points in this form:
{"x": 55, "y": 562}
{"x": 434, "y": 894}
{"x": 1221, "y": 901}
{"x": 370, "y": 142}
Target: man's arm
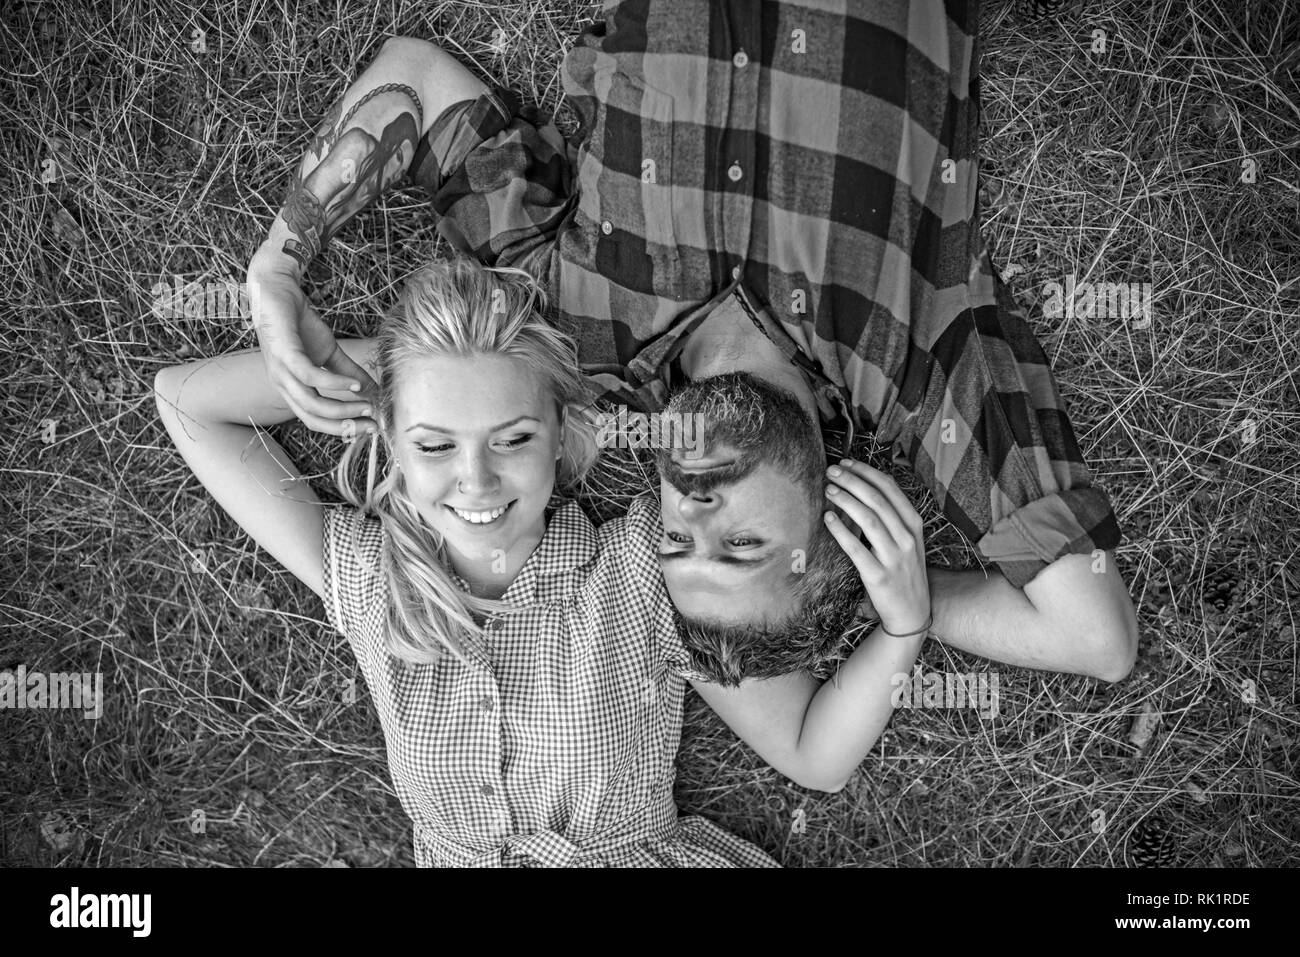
{"x": 363, "y": 148}
{"x": 1076, "y": 615}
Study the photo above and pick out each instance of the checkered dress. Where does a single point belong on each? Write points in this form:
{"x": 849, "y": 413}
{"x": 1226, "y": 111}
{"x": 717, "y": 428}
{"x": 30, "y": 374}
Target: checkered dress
{"x": 556, "y": 747}
{"x": 814, "y": 162}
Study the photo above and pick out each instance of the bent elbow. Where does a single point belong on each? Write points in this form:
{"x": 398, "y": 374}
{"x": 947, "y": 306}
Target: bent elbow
{"x": 1117, "y": 648}
{"x": 818, "y": 781}
{"x": 163, "y": 395}
{"x": 833, "y": 788}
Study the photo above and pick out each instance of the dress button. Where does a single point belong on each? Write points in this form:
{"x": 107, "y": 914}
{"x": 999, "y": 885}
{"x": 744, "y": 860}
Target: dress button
{"x": 741, "y": 59}
{"x": 607, "y": 227}
{"x": 486, "y": 703}
{"x": 734, "y": 172}
{"x": 487, "y": 790}
{"x": 735, "y": 272}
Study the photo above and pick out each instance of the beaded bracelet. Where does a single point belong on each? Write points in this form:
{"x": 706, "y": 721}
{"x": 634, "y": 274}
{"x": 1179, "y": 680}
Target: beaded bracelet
{"x": 907, "y": 634}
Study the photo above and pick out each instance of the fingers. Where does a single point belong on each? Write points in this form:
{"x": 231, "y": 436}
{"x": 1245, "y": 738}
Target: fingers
{"x": 868, "y": 567}
{"x": 340, "y": 363}
{"x": 346, "y": 428}
{"x": 858, "y": 492}
{"x": 887, "y": 487}
{"x": 322, "y": 414}
{"x": 302, "y": 368}
{"x": 868, "y": 517}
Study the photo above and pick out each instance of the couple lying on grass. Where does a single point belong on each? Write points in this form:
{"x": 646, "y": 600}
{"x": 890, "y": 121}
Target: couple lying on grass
{"x": 528, "y": 668}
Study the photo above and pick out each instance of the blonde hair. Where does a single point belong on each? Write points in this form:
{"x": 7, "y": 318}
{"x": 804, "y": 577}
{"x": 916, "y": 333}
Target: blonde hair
{"x": 456, "y": 308}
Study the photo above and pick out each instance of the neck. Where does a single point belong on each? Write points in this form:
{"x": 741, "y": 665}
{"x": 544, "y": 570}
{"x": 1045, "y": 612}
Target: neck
{"x": 491, "y": 579}
{"x": 728, "y": 341}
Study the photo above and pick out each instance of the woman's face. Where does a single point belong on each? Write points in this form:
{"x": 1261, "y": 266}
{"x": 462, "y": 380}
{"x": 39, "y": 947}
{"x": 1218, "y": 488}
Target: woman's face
{"x": 478, "y": 439}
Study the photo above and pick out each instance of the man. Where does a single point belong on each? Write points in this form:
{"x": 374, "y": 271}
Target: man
{"x": 784, "y": 194}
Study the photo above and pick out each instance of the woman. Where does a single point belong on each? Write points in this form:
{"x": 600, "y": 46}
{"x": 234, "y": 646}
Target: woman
{"x": 529, "y": 710}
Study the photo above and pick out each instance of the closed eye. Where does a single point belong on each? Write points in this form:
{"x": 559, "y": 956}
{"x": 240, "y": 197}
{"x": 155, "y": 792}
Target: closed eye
{"x": 447, "y": 446}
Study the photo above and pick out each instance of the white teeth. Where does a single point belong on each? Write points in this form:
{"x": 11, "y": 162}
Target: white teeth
{"x": 481, "y": 518}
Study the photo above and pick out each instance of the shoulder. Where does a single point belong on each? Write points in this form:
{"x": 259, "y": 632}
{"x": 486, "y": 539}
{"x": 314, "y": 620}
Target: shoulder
{"x": 639, "y": 524}
{"x": 352, "y": 546}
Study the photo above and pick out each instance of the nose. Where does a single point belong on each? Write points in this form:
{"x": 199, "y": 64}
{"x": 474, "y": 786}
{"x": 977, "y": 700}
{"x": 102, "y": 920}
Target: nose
{"x": 477, "y": 477}
{"x": 698, "y": 504}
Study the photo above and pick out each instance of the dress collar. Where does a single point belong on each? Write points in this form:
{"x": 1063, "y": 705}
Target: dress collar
{"x": 568, "y": 544}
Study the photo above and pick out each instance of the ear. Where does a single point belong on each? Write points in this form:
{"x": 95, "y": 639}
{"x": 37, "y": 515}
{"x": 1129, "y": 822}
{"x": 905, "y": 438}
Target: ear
{"x": 564, "y": 425}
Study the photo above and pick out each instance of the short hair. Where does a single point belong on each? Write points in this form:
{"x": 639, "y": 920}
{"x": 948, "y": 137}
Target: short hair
{"x": 811, "y": 637}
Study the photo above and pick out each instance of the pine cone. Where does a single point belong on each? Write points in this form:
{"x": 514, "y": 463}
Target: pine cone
{"x": 1152, "y": 843}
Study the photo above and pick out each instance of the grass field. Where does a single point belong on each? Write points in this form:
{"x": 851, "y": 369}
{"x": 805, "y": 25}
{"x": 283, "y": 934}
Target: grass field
{"x": 131, "y": 155}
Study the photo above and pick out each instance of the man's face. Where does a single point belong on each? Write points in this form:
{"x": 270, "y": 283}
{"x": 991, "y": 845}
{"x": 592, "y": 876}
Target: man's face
{"x": 737, "y": 519}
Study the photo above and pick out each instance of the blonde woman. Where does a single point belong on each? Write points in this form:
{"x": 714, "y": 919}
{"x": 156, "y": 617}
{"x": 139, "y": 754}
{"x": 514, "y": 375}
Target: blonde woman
{"x": 525, "y": 674}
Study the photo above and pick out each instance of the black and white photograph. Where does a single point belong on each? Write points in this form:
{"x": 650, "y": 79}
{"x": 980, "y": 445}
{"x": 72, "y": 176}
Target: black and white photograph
{"x": 800, "y": 434}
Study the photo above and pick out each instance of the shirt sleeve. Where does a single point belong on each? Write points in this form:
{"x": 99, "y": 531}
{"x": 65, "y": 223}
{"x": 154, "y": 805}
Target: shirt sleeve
{"x": 499, "y": 177}
{"x": 354, "y": 585}
{"x": 992, "y": 438}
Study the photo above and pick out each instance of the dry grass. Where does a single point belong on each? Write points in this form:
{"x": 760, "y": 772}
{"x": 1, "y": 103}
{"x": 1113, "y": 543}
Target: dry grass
{"x": 224, "y": 687}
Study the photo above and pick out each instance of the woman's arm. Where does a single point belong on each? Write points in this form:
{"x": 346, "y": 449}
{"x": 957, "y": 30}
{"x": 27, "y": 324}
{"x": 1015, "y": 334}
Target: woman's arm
{"x": 213, "y": 409}
{"x": 818, "y": 735}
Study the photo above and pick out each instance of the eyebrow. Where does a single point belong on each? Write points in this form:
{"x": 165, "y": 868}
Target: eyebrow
{"x": 723, "y": 559}
{"x": 495, "y": 428}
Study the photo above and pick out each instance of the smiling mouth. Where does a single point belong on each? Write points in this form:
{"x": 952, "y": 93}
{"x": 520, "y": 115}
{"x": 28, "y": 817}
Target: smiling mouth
{"x": 488, "y": 517}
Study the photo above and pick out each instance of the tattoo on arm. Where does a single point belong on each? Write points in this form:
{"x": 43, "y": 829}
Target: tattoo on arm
{"x": 345, "y": 170}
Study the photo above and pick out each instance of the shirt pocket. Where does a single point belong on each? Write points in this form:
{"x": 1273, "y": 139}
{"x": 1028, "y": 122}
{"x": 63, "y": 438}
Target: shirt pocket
{"x": 625, "y": 167}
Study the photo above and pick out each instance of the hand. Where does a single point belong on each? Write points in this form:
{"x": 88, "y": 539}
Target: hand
{"x": 295, "y": 344}
{"x": 892, "y": 563}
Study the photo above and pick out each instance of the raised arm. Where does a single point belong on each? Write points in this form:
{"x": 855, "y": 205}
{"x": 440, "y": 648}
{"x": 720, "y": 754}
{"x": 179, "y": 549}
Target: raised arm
{"x": 210, "y": 408}
{"x": 818, "y": 734}
{"x": 363, "y": 147}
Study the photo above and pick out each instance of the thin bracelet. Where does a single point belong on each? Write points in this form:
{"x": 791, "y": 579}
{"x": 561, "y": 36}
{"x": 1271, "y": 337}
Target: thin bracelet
{"x": 908, "y": 634}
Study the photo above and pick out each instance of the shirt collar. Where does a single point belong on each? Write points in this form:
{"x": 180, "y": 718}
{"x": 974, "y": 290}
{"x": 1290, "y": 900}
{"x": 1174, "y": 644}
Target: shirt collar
{"x": 833, "y": 402}
{"x": 568, "y": 544}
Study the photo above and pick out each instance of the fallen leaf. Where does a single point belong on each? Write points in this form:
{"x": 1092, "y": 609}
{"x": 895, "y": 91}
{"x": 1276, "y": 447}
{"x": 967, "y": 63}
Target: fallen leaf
{"x": 59, "y": 831}
{"x": 1144, "y": 725}
{"x": 1197, "y": 794}
{"x": 1217, "y": 115}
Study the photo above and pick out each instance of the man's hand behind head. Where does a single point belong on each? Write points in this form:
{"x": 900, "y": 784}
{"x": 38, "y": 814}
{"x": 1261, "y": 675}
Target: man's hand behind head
{"x": 296, "y": 343}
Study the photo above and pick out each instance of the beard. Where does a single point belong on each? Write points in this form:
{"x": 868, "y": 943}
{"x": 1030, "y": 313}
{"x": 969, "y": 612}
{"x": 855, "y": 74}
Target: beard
{"x": 760, "y": 421}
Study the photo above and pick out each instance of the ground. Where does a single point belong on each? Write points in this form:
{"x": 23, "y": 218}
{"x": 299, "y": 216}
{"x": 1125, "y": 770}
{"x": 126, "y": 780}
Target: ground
{"x": 157, "y": 143}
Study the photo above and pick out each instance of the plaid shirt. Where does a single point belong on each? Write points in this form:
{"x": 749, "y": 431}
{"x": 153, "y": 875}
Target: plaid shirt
{"x": 817, "y": 169}
{"x": 557, "y": 745}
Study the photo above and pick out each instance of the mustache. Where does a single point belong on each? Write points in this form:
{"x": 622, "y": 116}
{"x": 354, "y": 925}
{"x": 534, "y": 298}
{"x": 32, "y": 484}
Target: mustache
{"x": 701, "y": 483}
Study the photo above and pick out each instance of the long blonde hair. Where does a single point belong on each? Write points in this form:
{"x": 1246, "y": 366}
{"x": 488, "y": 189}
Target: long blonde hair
{"x": 456, "y": 307}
